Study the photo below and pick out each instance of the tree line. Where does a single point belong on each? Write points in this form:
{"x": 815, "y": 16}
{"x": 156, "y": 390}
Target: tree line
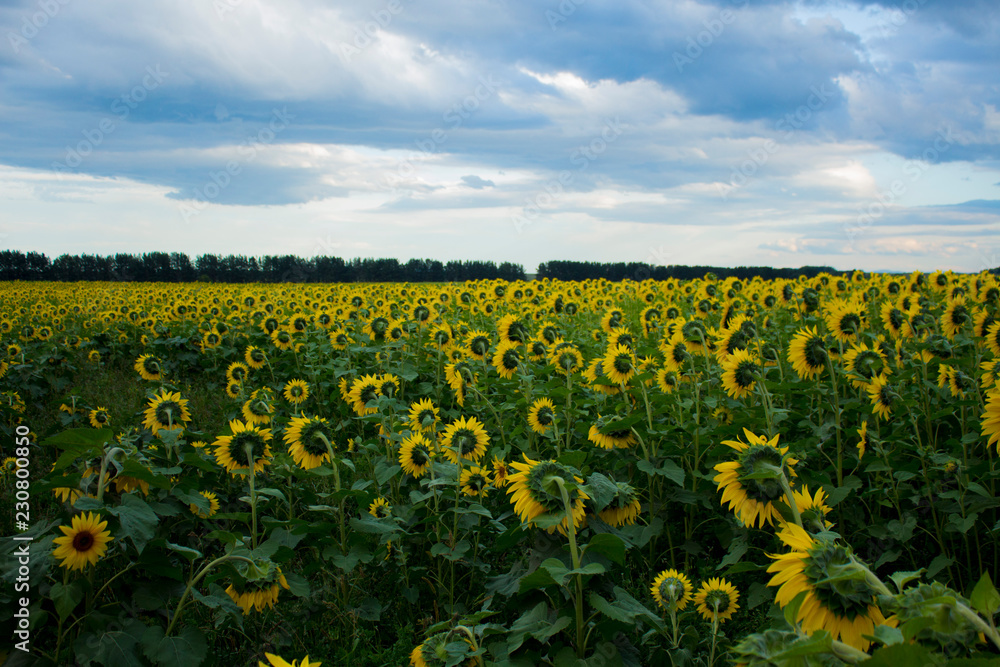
{"x": 616, "y": 271}
{"x": 178, "y": 267}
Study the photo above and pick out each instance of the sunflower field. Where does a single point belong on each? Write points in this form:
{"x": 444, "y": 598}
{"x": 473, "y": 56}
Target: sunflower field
{"x": 706, "y": 472}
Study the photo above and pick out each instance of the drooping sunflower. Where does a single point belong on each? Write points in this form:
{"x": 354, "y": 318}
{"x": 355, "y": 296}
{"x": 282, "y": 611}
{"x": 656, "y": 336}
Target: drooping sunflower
{"x": 475, "y": 481}
{"x": 753, "y": 499}
{"x": 166, "y": 411}
{"x": 415, "y": 455}
{"x": 896, "y": 321}
{"x": 666, "y": 380}
{"x": 991, "y": 420}
{"x": 282, "y": 339}
{"x": 807, "y": 353}
{"x": 812, "y": 508}
{"x": 532, "y": 497}
{"x": 433, "y": 651}
{"x": 512, "y": 330}
{"x": 234, "y": 390}
{"x": 388, "y": 385}
{"x": 624, "y": 508}
{"x": 601, "y": 436}
{"x": 864, "y": 363}
{"x": 99, "y": 417}
{"x": 477, "y": 344}
{"x": 740, "y": 371}
{"x": 149, "y": 368}
{"x": 258, "y": 593}
{"x": 595, "y": 370}
{"x": 237, "y": 372}
{"x": 213, "y": 506}
{"x": 380, "y": 508}
{"x": 843, "y": 606}
{"x": 296, "y": 391}
{"x": 881, "y": 396}
{"x": 675, "y": 351}
{"x": 717, "y": 599}
{"x": 506, "y": 358}
{"x": 621, "y": 336}
{"x": 541, "y": 415}
{"x": 231, "y": 450}
{"x": 465, "y": 438}
{"x": 566, "y": 358}
{"x": 672, "y": 589}
{"x": 991, "y": 374}
{"x": 424, "y": 415}
{"x": 84, "y": 542}
{"x": 862, "y": 440}
{"x": 306, "y": 438}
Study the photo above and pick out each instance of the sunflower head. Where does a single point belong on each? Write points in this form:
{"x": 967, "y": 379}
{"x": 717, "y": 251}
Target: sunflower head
{"x": 247, "y": 447}
{"x": 465, "y": 439}
{"x": 752, "y": 484}
{"x": 717, "y": 600}
{"x": 534, "y": 491}
{"x": 83, "y": 542}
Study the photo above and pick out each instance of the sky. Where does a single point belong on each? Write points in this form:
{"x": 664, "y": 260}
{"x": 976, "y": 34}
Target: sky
{"x": 851, "y": 134}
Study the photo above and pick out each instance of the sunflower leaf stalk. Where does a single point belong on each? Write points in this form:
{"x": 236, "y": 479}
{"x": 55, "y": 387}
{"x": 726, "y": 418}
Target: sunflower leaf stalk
{"x": 575, "y": 556}
{"x": 194, "y": 582}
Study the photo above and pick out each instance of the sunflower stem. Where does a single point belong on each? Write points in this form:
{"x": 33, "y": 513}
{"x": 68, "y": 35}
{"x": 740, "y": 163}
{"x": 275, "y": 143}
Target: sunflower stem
{"x": 789, "y": 496}
{"x": 575, "y": 556}
{"x": 194, "y": 582}
{"x": 253, "y": 496}
{"x": 104, "y": 470}
{"x": 981, "y": 625}
{"x": 848, "y": 653}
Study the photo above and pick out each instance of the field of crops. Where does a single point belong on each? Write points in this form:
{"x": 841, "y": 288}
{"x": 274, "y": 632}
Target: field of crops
{"x": 490, "y": 473}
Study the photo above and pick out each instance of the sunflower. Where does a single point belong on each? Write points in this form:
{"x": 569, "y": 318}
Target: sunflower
{"x": 533, "y": 497}
{"x": 956, "y": 315}
{"x": 541, "y": 415}
{"x": 991, "y": 420}
{"x": 423, "y": 415}
{"x": 618, "y": 364}
{"x": 258, "y": 593}
{"x": 465, "y": 438}
{"x": 624, "y": 508}
{"x": 388, "y": 385}
{"x": 443, "y": 336}
{"x": 435, "y": 652}
{"x": 296, "y": 391}
{"x": 99, "y": 417}
{"x": 149, "y": 368}
{"x": 258, "y": 408}
{"x": 672, "y": 589}
{"x": 501, "y": 473}
{"x": 566, "y": 358}
{"x": 845, "y": 320}
{"x": 740, "y": 371}
{"x": 475, "y": 481}
{"x": 234, "y": 390}
{"x": 506, "y": 358}
{"x": 675, "y": 351}
{"x": 307, "y": 439}
{"x": 991, "y": 373}
{"x": 363, "y": 390}
{"x": 282, "y": 339}
{"x": 278, "y": 661}
{"x": 611, "y": 320}
{"x": 717, "y": 600}
{"x": 621, "y": 336}
{"x": 512, "y": 330}
{"x": 166, "y": 411}
{"x": 477, "y": 344}
{"x": 213, "y": 506}
{"x": 415, "y": 455}
{"x": 881, "y": 396}
{"x": 94, "y": 357}
{"x": 595, "y": 370}
{"x": 813, "y": 508}
{"x": 602, "y": 437}
{"x": 85, "y": 541}
{"x": 842, "y": 605}
{"x": 237, "y": 371}
{"x": 864, "y": 363}
{"x": 982, "y": 322}
{"x": 807, "y": 353}
{"x": 380, "y": 508}
{"x": 753, "y": 499}
{"x": 896, "y": 321}
{"x": 666, "y": 380}
{"x": 231, "y": 450}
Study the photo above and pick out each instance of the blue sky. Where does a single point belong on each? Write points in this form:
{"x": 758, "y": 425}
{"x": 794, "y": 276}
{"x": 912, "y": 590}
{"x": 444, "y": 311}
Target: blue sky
{"x": 726, "y": 132}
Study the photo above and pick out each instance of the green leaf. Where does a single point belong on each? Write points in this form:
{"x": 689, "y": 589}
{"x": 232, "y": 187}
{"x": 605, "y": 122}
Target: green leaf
{"x": 442, "y": 549}
{"x": 792, "y": 609}
{"x": 601, "y": 490}
{"x": 551, "y": 571}
{"x": 187, "y": 552}
{"x": 369, "y": 524}
{"x": 904, "y": 654}
{"x": 961, "y": 524}
{"x": 939, "y": 563}
{"x": 903, "y": 578}
{"x": 369, "y": 610}
{"x": 138, "y": 521}
{"x": 82, "y": 440}
{"x": 668, "y": 469}
{"x": 837, "y": 494}
{"x": 888, "y": 636}
{"x": 608, "y": 545}
{"x": 66, "y": 598}
{"x": 118, "y": 647}
{"x": 187, "y": 648}
{"x": 985, "y": 599}
{"x": 737, "y": 548}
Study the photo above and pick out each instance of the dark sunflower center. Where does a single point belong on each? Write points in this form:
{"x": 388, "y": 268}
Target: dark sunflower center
{"x": 510, "y": 359}
{"x": 536, "y": 485}
{"x": 83, "y": 541}
{"x": 259, "y": 407}
{"x": 545, "y": 416}
{"x": 672, "y": 589}
{"x": 567, "y": 361}
{"x": 151, "y": 366}
{"x": 717, "y": 601}
{"x": 167, "y": 411}
{"x": 538, "y": 348}
{"x": 388, "y": 388}
{"x": 868, "y": 364}
{"x": 238, "y": 374}
{"x": 419, "y": 456}
{"x": 850, "y": 324}
{"x": 380, "y": 325}
{"x": 622, "y": 363}
{"x": 815, "y": 352}
{"x": 479, "y": 345}
{"x": 310, "y": 438}
{"x": 517, "y": 332}
{"x": 738, "y": 341}
{"x": 679, "y": 353}
{"x": 464, "y": 442}
{"x": 885, "y": 396}
{"x": 896, "y": 318}
{"x": 296, "y": 390}
{"x": 477, "y": 482}
{"x": 257, "y": 356}
{"x": 959, "y": 314}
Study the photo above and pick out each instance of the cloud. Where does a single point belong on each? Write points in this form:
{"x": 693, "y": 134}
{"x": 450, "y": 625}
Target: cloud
{"x": 477, "y": 183}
